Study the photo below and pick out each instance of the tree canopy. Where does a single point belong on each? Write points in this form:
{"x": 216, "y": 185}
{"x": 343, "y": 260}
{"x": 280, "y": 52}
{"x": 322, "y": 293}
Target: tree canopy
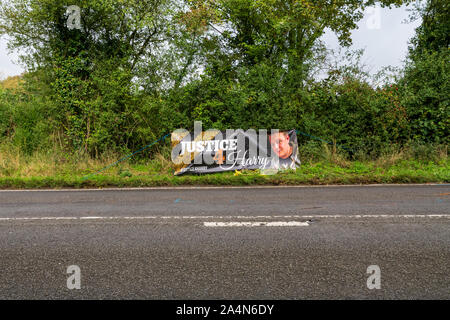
{"x": 135, "y": 70}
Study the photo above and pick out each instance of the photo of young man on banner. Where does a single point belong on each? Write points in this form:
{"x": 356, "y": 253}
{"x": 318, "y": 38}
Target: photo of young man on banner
{"x": 284, "y": 145}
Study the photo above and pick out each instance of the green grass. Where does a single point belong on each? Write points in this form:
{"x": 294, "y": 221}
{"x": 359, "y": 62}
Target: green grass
{"x": 321, "y": 173}
{"x": 55, "y": 169}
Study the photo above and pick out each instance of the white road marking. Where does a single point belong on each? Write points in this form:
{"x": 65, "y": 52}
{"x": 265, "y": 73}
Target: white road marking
{"x": 338, "y": 216}
{"x": 257, "y": 224}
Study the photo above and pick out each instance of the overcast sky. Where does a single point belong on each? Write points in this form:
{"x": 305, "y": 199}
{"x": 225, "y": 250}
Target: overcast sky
{"x": 382, "y": 35}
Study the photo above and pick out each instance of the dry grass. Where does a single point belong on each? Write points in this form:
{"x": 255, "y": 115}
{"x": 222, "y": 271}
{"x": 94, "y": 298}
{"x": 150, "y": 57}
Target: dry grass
{"x": 333, "y": 156}
{"x": 442, "y": 151}
{"x": 388, "y": 160}
{"x": 11, "y": 83}
{"x": 14, "y": 163}
{"x": 164, "y": 163}
{"x": 52, "y": 163}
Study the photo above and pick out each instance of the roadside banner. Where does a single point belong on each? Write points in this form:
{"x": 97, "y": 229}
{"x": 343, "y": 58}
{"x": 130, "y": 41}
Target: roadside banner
{"x": 217, "y": 151}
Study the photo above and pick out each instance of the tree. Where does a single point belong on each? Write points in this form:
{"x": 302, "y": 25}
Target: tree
{"x": 434, "y": 32}
{"x": 278, "y": 29}
{"x": 426, "y": 80}
{"x": 263, "y": 51}
{"x": 92, "y": 71}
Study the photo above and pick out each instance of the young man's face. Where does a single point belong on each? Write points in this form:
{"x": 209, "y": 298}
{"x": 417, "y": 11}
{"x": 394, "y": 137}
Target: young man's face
{"x": 280, "y": 144}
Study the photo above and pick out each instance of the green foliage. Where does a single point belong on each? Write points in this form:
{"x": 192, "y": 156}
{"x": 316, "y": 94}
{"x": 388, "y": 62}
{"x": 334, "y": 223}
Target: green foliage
{"x": 138, "y": 70}
{"x": 25, "y": 121}
{"x": 433, "y": 34}
{"x": 426, "y": 80}
{"x": 89, "y": 73}
{"x": 427, "y": 96}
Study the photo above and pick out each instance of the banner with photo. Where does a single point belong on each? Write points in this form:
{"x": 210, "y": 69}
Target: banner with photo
{"x": 216, "y": 151}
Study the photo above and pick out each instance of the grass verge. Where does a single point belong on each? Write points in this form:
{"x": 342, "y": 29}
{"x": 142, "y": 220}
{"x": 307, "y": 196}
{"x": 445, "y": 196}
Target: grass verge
{"x": 321, "y": 166}
{"x": 320, "y": 173}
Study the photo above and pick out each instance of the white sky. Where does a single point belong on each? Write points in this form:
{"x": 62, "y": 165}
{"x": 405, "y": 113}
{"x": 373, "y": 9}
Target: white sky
{"x": 385, "y": 41}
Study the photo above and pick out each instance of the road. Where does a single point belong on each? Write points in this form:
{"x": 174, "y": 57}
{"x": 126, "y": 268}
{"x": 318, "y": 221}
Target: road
{"x": 227, "y": 243}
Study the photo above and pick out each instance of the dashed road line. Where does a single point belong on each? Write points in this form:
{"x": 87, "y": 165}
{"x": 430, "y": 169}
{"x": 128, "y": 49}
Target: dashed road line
{"x": 359, "y": 216}
{"x": 257, "y": 224}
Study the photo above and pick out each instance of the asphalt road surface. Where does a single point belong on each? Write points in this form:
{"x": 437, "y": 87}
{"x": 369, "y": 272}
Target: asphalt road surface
{"x": 227, "y": 243}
